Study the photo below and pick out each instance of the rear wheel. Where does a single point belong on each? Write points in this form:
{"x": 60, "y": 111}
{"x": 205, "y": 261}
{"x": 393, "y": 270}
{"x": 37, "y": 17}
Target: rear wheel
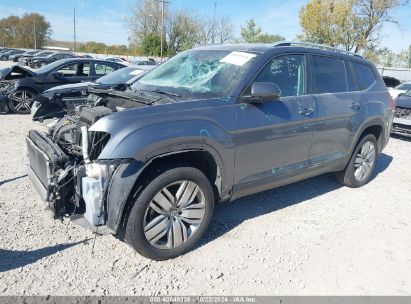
{"x": 20, "y": 101}
{"x": 171, "y": 214}
{"x": 362, "y": 163}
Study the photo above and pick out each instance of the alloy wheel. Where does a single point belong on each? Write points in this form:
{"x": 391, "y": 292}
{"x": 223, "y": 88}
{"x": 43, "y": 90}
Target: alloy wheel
{"x": 21, "y": 100}
{"x": 364, "y": 162}
{"x": 174, "y": 214}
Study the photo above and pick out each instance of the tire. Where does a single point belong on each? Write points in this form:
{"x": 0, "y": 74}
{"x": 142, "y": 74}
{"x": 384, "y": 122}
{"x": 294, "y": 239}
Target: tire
{"x": 170, "y": 235}
{"x": 362, "y": 163}
{"x": 20, "y": 101}
{"x": 3, "y": 58}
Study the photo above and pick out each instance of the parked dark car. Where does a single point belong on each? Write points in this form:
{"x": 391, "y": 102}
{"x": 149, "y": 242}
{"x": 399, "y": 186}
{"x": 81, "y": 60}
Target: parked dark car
{"x": 16, "y": 57}
{"x": 390, "y": 82}
{"x": 21, "y": 93}
{"x": 211, "y": 124}
{"x": 144, "y": 62}
{"x": 5, "y": 55}
{"x": 58, "y": 101}
{"x": 118, "y": 60}
{"x": 25, "y": 60}
{"x": 402, "y": 118}
{"x": 37, "y": 62}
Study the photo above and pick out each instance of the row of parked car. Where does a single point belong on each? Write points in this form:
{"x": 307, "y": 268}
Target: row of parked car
{"x": 146, "y": 154}
{"x": 37, "y": 59}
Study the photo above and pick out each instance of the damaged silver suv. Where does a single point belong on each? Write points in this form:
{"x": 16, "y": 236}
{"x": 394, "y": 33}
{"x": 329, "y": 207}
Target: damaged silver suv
{"x": 211, "y": 124}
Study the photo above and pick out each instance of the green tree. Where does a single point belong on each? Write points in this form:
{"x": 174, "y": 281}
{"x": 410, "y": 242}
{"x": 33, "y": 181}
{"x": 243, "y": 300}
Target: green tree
{"x": 33, "y": 23}
{"x": 151, "y": 45}
{"x": 20, "y": 32}
{"x": 8, "y": 31}
{"x": 252, "y": 33}
{"x": 352, "y": 24}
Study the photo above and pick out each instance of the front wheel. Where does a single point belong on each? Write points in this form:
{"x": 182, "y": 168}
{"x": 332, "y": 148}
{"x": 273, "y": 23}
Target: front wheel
{"x": 171, "y": 214}
{"x": 362, "y": 163}
{"x": 20, "y": 101}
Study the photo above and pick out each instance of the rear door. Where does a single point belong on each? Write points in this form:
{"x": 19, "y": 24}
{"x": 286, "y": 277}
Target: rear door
{"x": 339, "y": 110}
{"x": 274, "y": 138}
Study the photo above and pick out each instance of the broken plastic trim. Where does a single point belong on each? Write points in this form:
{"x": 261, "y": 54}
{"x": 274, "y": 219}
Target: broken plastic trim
{"x": 117, "y": 161}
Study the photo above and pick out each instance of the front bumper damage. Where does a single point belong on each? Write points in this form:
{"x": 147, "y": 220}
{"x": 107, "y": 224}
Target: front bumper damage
{"x": 402, "y": 121}
{"x": 68, "y": 189}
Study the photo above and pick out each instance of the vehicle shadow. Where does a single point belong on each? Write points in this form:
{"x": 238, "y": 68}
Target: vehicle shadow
{"x": 12, "y": 179}
{"x": 227, "y": 216}
{"x": 13, "y": 259}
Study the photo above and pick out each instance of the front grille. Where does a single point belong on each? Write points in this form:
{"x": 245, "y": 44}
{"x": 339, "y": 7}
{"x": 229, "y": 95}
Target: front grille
{"x": 402, "y": 112}
{"x": 98, "y": 140}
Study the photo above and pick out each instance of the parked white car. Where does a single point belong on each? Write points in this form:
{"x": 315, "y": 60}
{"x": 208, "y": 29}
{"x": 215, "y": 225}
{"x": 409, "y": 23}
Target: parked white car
{"x": 401, "y": 88}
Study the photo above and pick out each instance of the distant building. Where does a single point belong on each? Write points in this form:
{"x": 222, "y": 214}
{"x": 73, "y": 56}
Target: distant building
{"x": 55, "y": 48}
{"x": 401, "y": 74}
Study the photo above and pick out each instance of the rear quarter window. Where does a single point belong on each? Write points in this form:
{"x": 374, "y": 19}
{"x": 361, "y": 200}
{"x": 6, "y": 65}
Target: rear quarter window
{"x": 329, "y": 75}
{"x": 364, "y": 76}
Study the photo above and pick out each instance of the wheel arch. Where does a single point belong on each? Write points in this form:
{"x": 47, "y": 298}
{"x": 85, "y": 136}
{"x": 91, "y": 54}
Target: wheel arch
{"x": 374, "y": 126}
{"x": 127, "y": 186}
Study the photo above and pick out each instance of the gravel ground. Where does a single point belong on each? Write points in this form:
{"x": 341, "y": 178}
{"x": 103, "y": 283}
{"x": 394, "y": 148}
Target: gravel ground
{"x": 310, "y": 238}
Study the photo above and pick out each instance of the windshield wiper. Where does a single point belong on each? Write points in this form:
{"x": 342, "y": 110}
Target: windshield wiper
{"x": 158, "y": 91}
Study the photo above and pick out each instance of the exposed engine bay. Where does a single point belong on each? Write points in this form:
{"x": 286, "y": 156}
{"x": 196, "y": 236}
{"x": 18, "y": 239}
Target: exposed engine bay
{"x": 63, "y": 164}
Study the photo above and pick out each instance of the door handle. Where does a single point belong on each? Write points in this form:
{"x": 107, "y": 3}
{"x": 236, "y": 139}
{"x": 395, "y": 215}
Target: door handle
{"x": 355, "y": 106}
{"x": 306, "y": 111}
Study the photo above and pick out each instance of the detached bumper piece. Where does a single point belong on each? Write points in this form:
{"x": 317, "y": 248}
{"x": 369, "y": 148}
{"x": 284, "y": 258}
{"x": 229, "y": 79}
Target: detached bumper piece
{"x": 401, "y": 126}
{"x": 46, "y": 170}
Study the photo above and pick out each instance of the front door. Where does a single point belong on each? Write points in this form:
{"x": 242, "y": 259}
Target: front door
{"x": 70, "y": 73}
{"x": 273, "y": 138}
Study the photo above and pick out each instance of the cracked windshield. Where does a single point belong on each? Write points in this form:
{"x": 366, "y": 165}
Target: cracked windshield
{"x": 200, "y": 73}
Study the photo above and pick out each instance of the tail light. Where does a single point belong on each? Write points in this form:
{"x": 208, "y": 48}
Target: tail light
{"x": 393, "y": 104}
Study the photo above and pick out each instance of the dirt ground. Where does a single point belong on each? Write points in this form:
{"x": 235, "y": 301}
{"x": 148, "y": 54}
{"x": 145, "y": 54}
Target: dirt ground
{"x": 310, "y": 238}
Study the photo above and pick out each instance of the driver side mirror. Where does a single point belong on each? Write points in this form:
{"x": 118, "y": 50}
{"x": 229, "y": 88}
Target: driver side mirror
{"x": 263, "y": 91}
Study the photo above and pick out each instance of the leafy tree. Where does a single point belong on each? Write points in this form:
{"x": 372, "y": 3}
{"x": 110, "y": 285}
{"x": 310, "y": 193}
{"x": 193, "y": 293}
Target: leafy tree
{"x": 252, "y": 33}
{"x": 151, "y": 45}
{"x": 8, "y": 31}
{"x": 19, "y": 32}
{"x": 352, "y": 24}
{"x": 182, "y": 29}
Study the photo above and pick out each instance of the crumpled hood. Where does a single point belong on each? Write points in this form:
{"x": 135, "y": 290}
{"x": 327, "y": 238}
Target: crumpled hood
{"x": 15, "y": 69}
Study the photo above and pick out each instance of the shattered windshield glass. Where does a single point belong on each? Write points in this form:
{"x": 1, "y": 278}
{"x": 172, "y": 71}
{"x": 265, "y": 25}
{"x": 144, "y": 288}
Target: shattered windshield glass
{"x": 200, "y": 73}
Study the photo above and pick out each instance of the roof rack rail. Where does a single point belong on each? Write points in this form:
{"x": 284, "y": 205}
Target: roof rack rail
{"x": 316, "y": 46}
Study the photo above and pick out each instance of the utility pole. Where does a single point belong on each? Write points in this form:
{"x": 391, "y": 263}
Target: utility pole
{"x": 162, "y": 27}
{"x": 34, "y": 33}
{"x": 214, "y": 23}
{"x": 74, "y": 24}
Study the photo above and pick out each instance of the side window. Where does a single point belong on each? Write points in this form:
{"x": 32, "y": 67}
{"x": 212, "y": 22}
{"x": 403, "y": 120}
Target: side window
{"x": 364, "y": 76}
{"x": 102, "y": 69}
{"x": 328, "y": 75}
{"x": 288, "y": 72}
{"x": 68, "y": 70}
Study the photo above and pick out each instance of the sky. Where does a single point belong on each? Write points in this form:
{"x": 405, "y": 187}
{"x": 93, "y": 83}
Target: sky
{"x": 103, "y": 20}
